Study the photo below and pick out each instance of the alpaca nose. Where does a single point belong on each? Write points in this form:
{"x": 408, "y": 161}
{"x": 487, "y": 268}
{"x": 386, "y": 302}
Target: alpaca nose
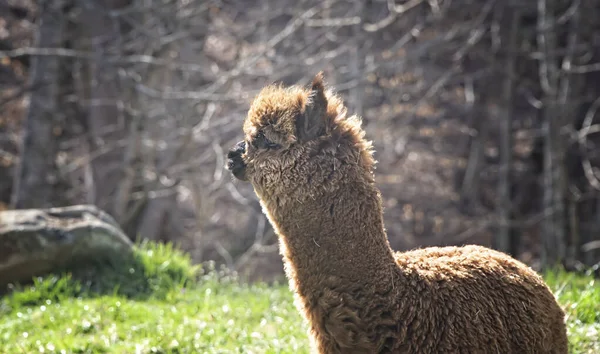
{"x": 237, "y": 150}
{"x": 235, "y": 163}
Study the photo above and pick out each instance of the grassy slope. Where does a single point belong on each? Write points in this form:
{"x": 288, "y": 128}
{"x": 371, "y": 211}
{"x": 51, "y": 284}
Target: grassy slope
{"x": 159, "y": 307}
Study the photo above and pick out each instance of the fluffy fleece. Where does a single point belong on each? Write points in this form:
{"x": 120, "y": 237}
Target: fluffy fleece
{"x": 312, "y": 169}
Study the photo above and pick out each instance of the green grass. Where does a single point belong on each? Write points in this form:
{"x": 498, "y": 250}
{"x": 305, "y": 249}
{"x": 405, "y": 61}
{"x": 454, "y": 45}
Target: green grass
{"x": 580, "y": 297}
{"x": 157, "y": 302}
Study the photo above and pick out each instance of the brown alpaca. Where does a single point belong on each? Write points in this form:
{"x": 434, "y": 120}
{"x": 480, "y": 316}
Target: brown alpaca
{"x": 312, "y": 170}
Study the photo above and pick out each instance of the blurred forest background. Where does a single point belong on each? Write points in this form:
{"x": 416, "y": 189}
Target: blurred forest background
{"x": 483, "y": 115}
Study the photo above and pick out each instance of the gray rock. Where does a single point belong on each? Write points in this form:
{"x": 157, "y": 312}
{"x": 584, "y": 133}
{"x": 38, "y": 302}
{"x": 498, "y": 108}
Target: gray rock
{"x": 38, "y": 241}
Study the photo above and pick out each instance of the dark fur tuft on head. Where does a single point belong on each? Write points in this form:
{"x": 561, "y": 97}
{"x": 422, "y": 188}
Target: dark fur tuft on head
{"x": 317, "y": 83}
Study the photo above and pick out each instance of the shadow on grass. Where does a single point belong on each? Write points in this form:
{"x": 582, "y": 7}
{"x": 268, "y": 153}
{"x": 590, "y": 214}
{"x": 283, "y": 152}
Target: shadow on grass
{"x": 152, "y": 270}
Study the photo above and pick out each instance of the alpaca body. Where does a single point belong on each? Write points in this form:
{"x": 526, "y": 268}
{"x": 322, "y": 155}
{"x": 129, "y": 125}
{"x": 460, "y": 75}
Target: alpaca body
{"x": 312, "y": 170}
{"x": 368, "y": 299}
{"x": 487, "y": 309}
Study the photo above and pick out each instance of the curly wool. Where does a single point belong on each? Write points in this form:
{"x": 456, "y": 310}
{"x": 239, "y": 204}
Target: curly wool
{"x": 358, "y": 296}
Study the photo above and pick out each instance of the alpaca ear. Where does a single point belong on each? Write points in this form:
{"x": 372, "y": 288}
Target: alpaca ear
{"x": 311, "y": 123}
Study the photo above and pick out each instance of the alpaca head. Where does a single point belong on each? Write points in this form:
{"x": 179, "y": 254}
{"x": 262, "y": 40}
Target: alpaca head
{"x": 298, "y": 142}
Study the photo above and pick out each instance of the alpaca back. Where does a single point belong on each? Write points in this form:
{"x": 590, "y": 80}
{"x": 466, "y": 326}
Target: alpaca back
{"x": 475, "y": 298}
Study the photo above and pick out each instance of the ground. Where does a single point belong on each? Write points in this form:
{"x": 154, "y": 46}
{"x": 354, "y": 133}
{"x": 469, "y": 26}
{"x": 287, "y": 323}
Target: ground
{"x": 158, "y": 302}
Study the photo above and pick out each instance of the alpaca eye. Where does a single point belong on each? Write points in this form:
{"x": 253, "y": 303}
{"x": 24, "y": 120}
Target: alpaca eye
{"x": 271, "y": 145}
{"x": 261, "y": 142}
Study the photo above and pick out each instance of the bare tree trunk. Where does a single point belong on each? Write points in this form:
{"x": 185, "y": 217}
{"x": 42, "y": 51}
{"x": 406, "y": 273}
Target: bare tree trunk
{"x": 554, "y": 223}
{"x": 471, "y": 181}
{"x": 574, "y": 251}
{"x": 570, "y": 87}
{"x": 107, "y": 121}
{"x": 503, "y": 236}
{"x": 36, "y": 173}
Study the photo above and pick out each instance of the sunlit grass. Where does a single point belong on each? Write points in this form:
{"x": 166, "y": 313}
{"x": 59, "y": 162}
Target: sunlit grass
{"x": 580, "y": 297}
{"x": 158, "y": 302}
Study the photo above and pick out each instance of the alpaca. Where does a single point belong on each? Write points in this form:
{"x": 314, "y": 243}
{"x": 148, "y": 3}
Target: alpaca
{"x": 312, "y": 170}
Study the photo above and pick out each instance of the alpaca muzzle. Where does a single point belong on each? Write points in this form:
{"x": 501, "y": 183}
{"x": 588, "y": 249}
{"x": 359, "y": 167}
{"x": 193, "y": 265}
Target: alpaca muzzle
{"x": 235, "y": 163}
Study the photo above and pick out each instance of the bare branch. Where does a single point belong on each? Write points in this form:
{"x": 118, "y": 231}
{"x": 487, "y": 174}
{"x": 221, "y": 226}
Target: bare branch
{"x": 394, "y": 11}
{"x": 113, "y": 59}
{"x": 333, "y": 22}
{"x": 590, "y": 173}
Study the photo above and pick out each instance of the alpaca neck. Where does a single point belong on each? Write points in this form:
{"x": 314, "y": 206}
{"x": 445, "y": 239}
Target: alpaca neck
{"x": 335, "y": 237}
